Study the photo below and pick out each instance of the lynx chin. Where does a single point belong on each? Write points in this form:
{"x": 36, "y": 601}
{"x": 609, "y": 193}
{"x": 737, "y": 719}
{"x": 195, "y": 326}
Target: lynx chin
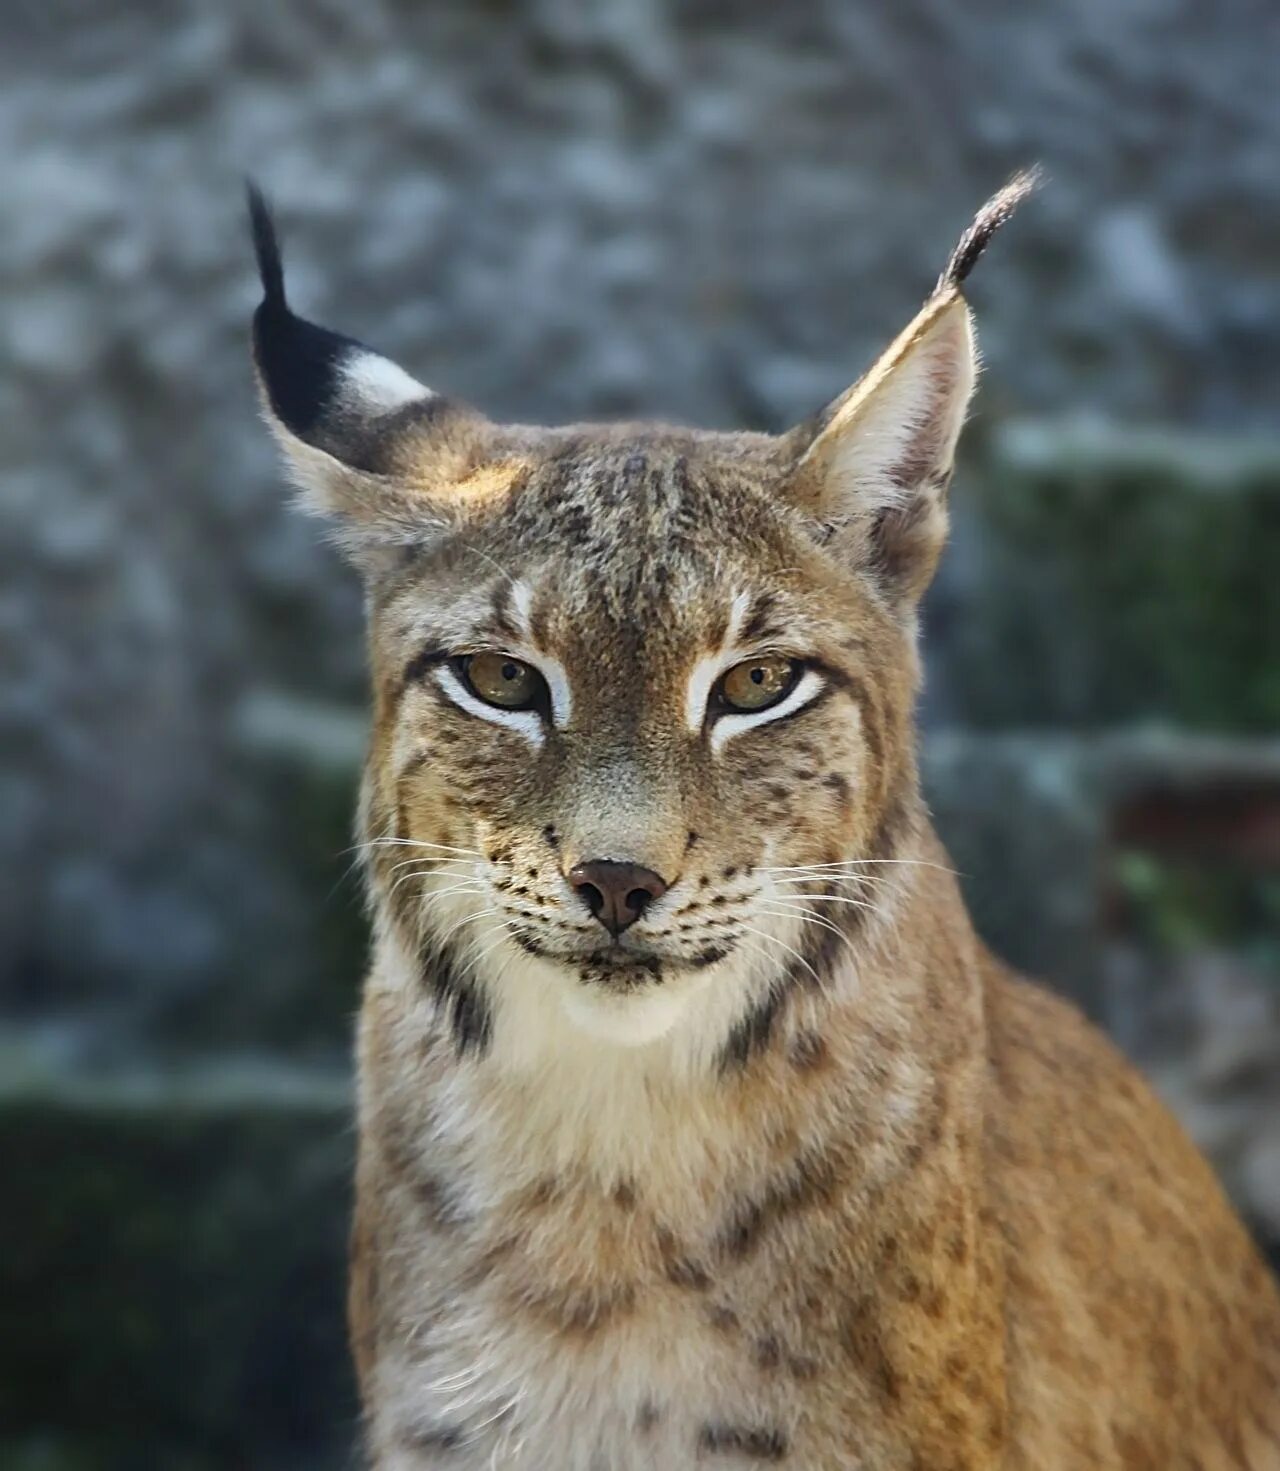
{"x": 697, "y": 1128}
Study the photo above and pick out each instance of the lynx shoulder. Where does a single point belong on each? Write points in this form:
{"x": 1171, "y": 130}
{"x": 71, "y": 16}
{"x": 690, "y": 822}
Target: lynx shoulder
{"x": 696, "y": 1126}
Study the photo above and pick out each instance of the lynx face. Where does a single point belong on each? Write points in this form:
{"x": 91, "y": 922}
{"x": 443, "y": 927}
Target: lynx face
{"x": 643, "y": 695}
{"x": 622, "y": 750}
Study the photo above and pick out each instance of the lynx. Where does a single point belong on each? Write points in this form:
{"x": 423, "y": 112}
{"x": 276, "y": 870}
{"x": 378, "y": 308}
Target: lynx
{"x": 696, "y": 1126}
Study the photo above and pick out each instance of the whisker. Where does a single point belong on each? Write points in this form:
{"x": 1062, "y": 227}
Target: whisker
{"x": 345, "y": 877}
{"x": 856, "y": 863}
{"x": 773, "y": 939}
{"x": 475, "y": 550}
{"x": 427, "y": 864}
{"x": 426, "y": 873}
{"x": 466, "y": 919}
{"x": 751, "y": 948}
{"x": 414, "y": 843}
{"x": 850, "y": 878}
{"x": 819, "y": 920}
{"x": 825, "y": 899}
{"x": 806, "y": 917}
{"x": 490, "y": 948}
{"x": 467, "y": 886}
{"x": 448, "y": 858}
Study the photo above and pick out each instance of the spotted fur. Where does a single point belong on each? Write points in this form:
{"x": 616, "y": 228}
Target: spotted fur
{"x": 791, "y": 1171}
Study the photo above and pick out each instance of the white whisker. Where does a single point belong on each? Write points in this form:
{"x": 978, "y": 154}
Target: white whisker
{"x": 794, "y": 899}
{"x": 436, "y": 862}
{"x": 425, "y": 873}
{"x": 415, "y": 843}
{"x": 466, "y": 886}
{"x": 806, "y": 916}
{"x": 856, "y": 863}
{"x": 773, "y": 939}
{"x": 466, "y": 919}
{"x": 835, "y": 878}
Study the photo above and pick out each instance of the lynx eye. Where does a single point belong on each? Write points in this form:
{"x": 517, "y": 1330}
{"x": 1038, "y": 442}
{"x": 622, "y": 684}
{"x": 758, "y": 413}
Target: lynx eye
{"x": 500, "y": 680}
{"x": 755, "y": 684}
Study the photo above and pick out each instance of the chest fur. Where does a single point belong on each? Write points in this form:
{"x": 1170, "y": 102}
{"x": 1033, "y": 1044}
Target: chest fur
{"x": 562, "y": 1322}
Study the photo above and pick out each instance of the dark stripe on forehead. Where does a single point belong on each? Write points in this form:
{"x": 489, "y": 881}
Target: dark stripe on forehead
{"x": 502, "y": 613}
{"x": 718, "y": 628}
{"x": 758, "y": 624}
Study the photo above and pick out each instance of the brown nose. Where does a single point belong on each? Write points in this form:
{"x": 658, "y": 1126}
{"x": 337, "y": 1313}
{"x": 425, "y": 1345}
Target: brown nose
{"x": 616, "y": 893}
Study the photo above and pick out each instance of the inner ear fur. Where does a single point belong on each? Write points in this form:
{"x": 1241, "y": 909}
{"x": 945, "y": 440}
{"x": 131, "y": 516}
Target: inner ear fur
{"x": 874, "y": 467}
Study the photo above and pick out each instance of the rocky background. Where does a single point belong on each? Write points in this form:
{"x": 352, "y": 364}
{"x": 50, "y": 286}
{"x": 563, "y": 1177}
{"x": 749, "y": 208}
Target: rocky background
{"x": 714, "y": 211}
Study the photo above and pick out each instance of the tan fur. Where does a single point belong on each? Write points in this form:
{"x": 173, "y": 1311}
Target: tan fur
{"x": 796, "y": 1173}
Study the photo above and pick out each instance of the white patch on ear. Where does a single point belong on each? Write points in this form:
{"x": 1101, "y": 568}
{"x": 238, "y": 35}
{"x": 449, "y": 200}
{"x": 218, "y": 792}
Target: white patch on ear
{"x": 377, "y": 385}
{"x": 527, "y": 722}
{"x": 709, "y": 668}
{"x": 810, "y": 685}
{"x": 897, "y": 428}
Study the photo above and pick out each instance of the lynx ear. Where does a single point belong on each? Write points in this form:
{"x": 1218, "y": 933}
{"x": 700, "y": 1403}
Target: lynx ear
{"x": 367, "y": 444}
{"x": 874, "y": 466}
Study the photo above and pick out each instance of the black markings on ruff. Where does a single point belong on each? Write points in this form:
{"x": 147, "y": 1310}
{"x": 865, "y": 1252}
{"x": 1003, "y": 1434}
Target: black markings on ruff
{"x": 440, "y": 1207}
{"x": 461, "y": 1000}
{"x": 751, "y": 1036}
{"x": 756, "y": 1442}
{"x": 810, "y": 1180}
{"x": 682, "y": 1272}
{"x": 435, "y": 1438}
{"x": 647, "y": 1417}
{"x": 768, "y": 1352}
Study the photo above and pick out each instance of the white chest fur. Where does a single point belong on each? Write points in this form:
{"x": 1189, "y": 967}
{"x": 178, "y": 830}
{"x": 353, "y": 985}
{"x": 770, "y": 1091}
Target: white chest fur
{"x": 655, "y": 1396}
{"x": 547, "y": 1229}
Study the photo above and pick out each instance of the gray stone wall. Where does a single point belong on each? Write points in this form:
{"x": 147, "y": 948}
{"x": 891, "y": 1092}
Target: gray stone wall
{"x": 713, "y": 211}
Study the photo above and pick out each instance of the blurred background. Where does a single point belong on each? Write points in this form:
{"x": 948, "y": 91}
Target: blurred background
{"x": 715, "y": 211}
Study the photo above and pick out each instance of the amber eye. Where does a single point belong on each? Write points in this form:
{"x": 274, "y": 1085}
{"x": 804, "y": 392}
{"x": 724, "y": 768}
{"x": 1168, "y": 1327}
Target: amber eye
{"x": 755, "y": 684}
{"x": 501, "y": 680}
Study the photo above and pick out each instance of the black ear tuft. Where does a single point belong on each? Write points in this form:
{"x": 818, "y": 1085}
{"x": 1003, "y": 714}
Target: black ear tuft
{"x": 266, "y": 246}
{"x": 988, "y": 220}
{"x": 300, "y": 363}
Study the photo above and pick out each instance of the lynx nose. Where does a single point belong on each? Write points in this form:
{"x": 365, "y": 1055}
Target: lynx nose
{"x": 616, "y": 893}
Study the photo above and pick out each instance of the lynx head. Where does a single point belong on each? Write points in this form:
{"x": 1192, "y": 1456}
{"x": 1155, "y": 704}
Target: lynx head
{"x": 642, "y": 695}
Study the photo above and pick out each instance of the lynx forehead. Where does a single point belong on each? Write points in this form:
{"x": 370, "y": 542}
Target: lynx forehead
{"x": 697, "y": 1129}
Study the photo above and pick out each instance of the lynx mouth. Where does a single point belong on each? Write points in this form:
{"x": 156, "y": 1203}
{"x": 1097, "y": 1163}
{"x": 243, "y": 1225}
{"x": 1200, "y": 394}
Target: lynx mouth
{"x": 625, "y": 964}
{"x": 620, "y": 969}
